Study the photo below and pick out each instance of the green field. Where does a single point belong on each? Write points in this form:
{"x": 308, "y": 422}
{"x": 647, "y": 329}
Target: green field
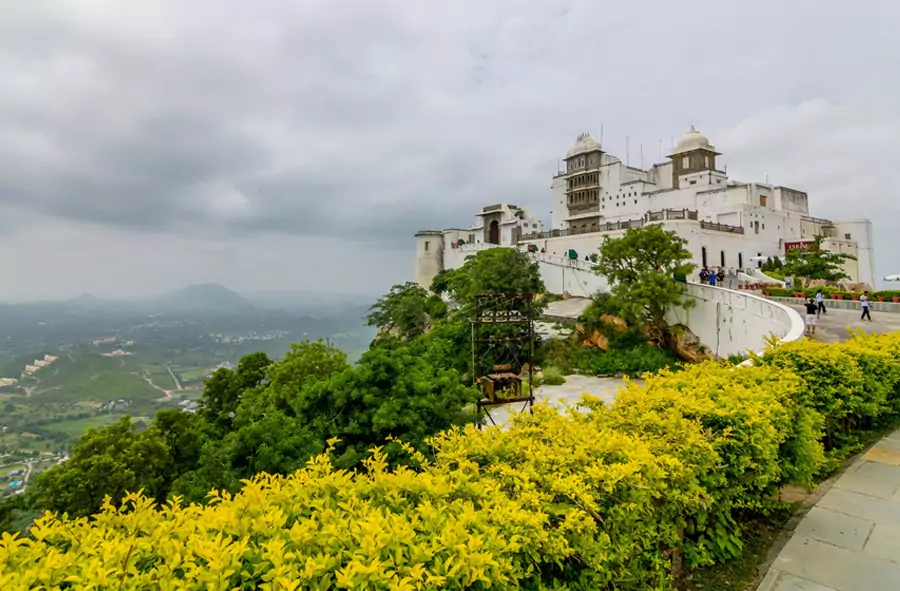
{"x": 77, "y": 427}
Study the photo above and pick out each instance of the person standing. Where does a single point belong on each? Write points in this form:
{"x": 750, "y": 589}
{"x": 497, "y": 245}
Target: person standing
{"x": 811, "y": 317}
{"x": 712, "y": 278}
{"x": 864, "y": 302}
{"x": 820, "y": 303}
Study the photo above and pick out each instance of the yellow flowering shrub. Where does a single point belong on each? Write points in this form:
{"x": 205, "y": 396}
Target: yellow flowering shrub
{"x": 852, "y": 384}
{"x": 606, "y": 498}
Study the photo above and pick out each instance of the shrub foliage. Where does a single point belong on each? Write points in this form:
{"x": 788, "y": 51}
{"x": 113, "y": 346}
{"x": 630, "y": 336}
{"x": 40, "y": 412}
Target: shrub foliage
{"x": 609, "y": 497}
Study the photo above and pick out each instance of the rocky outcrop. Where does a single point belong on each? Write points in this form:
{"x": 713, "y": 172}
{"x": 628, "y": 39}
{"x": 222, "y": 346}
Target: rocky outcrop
{"x": 686, "y": 345}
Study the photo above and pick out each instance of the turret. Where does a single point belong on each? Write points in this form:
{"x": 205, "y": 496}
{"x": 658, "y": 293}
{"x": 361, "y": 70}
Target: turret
{"x": 429, "y": 256}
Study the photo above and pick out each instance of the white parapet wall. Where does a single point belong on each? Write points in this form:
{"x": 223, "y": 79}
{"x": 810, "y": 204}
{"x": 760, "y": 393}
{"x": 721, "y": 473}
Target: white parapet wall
{"x": 733, "y": 322}
{"x": 560, "y": 274}
{"x": 728, "y": 322}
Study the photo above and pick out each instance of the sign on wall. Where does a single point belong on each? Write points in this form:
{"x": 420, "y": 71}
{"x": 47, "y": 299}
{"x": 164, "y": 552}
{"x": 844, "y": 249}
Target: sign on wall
{"x": 802, "y": 246}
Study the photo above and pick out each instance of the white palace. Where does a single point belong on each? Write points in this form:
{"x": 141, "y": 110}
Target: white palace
{"x": 726, "y": 223}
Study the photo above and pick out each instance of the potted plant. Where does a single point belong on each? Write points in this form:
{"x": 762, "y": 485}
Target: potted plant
{"x": 896, "y": 299}
{"x": 855, "y": 296}
{"x": 838, "y": 296}
{"x": 880, "y": 298}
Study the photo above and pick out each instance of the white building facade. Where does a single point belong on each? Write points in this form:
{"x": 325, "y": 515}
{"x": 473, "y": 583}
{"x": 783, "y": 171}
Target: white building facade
{"x": 726, "y": 223}
{"x": 495, "y": 225}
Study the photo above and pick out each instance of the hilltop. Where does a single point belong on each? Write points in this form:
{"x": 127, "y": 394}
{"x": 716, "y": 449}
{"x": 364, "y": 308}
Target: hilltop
{"x": 206, "y": 296}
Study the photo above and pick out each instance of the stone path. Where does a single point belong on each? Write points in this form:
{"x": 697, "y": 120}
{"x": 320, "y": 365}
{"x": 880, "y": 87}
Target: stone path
{"x": 568, "y": 393}
{"x": 850, "y": 540}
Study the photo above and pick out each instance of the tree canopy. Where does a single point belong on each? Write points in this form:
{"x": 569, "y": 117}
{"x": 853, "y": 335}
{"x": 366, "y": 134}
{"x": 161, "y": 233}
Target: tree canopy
{"x": 642, "y": 267}
{"x": 816, "y": 263}
{"x": 272, "y": 417}
{"x": 111, "y": 461}
{"x": 495, "y": 270}
{"x": 404, "y": 311}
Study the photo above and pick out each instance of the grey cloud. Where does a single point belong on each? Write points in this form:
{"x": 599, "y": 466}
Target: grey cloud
{"x": 366, "y": 121}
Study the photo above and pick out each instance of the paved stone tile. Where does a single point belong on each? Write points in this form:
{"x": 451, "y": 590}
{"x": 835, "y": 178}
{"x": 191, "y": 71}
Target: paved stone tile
{"x": 838, "y": 529}
{"x": 885, "y": 543}
{"x": 792, "y": 583}
{"x": 880, "y": 511}
{"x": 890, "y": 443}
{"x": 873, "y": 479}
{"x": 840, "y": 569}
{"x": 884, "y": 455}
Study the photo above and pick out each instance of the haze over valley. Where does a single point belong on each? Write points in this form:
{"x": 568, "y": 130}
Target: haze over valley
{"x": 71, "y": 365}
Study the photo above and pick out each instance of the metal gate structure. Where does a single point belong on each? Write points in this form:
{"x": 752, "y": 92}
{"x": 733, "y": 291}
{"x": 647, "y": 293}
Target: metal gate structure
{"x": 503, "y": 350}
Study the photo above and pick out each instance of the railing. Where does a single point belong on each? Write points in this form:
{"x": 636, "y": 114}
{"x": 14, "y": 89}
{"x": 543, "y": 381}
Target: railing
{"x": 721, "y": 227}
{"x": 564, "y": 261}
{"x": 653, "y": 216}
{"x": 607, "y": 227}
{"x": 583, "y": 208}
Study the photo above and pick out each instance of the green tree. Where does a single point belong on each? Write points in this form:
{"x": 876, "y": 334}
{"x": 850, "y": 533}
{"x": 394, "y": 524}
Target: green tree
{"x": 393, "y": 391}
{"x": 266, "y": 434}
{"x": 441, "y": 282}
{"x": 402, "y": 311}
{"x": 304, "y": 364}
{"x": 185, "y": 434}
{"x": 641, "y": 267}
{"x": 223, "y": 390}
{"x": 496, "y": 270}
{"x": 816, "y": 263}
{"x": 111, "y": 461}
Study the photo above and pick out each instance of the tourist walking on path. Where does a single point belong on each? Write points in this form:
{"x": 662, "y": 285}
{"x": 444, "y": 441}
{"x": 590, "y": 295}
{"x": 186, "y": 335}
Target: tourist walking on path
{"x": 811, "y": 317}
{"x": 864, "y": 302}
{"x": 820, "y": 303}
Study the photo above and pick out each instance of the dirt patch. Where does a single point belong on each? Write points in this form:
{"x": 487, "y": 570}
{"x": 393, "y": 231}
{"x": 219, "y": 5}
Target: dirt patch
{"x": 794, "y": 494}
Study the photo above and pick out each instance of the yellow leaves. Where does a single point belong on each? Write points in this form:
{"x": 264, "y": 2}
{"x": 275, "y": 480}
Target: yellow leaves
{"x": 595, "y": 496}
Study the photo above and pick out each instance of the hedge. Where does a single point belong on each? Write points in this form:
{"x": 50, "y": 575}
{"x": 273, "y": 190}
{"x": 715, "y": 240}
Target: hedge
{"x": 608, "y": 498}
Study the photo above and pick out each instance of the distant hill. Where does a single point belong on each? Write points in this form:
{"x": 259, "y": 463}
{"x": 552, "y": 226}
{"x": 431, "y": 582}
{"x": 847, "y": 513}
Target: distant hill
{"x": 87, "y": 300}
{"x": 206, "y": 296}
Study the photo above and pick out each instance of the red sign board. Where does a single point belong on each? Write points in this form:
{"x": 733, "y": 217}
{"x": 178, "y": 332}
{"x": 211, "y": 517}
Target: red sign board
{"x": 802, "y": 246}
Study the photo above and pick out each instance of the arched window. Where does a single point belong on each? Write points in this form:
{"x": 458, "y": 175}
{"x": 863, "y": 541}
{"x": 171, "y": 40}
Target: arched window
{"x": 740, "y": 260}
{"x": 703, "y": 255}
{"x": 722, "y": 258}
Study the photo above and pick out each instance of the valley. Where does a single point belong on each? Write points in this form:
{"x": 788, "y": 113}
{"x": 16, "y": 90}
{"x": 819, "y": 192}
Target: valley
{"x": 71, "y": 366}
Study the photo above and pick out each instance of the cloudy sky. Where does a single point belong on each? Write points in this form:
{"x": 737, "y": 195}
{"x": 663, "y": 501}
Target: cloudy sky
{"x": 299, "y": 144}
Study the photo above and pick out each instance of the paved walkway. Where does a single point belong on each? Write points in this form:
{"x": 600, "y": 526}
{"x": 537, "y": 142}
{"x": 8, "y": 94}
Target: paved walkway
{"x": 850, "y": 540}
{"x": 833, "y": 325}
{"x": 568, "y": 393}
{"x": 570, "y": 308}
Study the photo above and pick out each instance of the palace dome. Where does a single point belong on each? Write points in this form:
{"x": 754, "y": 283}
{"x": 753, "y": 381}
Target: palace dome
{"x": 693, "y": 140}
{"x": 584, "y": 143}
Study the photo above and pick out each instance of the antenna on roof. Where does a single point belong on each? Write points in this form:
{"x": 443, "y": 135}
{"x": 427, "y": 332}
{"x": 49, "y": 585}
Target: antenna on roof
{"x": 642, "y": 156}
{"x": 601, "y": 134}
{"x": 627, "y": 152}
{"x": 660, "y": 151}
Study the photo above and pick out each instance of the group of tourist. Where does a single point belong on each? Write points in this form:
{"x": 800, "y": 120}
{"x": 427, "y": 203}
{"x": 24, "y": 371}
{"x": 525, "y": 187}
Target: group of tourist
{"x": 711, "y": 277}
{"x": 815, "y": 307}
